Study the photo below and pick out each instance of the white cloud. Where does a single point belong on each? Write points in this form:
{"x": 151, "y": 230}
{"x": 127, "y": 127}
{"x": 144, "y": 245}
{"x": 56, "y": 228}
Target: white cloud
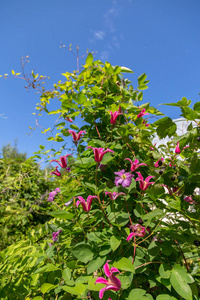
{"x": 104, "y": 55}
{"x": 99, "y": 35}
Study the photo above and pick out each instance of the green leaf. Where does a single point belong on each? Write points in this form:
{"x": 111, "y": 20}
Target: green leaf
{"x": 66, "y": 275}
{"x": 197, "y": 107}
{"x": 156, "y": 213}
{"x": 46, "y": 287}
{"x": 164, "y": 271}
{"x": 37, "y": 298}
{"x": 61, "y": 214}
{"x": 79, "y": 289}
{"x": 83, "y": 252}
{"x": 124, "y": 264}
{"x": 180, "y": 285}
{"x": 136, "y": 294}
{"x": 142, "y": 87}
{"x": 95, "y": 264}
{"x": 72, "y": 126}
{"x": 81, "y": 98}
{"x": 89, "y": 59}
{"x": 126, "y": 70}
{"x": 189, "y": 113}
{"x": 115, "y": 242}
{"x": 165, "y": 126}
{"x": 141, "y": 79}
{"x": 164, "y": 297}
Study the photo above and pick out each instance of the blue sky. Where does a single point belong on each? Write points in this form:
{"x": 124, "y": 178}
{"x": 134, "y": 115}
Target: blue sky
{"x": 160, "y": 38}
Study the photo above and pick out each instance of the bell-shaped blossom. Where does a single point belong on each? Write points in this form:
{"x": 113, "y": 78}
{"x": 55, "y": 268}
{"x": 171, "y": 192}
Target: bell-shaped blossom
{"x": 53, "y": 194}
{"x": 69, "y": 119}
{"x": 189, "y": 199}
{"x": 135, "y": 165}
{"x": 123, "y": 178}
{"x": 112, "y": 283}
{"x": 144, "y": 183}
{"x": 177, "y": 149}
{"x": 114, "y": 116}
{"x": 62, "y": 162}
{"x": 99, "y": 153}
{"x": 138, "y": 230}
{"x": 142, "y": 113}
{"x": 56, "y": 172}
{"x": 159, "y": 163}
{"x": 145, "y": 122}
{"x": 55, "y": 236}
{"x": 86, "y": 204}
{"x": 76, "y": 136}
{"x": 114, "y": 195}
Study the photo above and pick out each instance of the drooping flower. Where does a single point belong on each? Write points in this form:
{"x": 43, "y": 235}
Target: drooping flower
{"x": 189, "y": 199}
{"x": 99, "y": 153}
{"x": 114, "y": 116}
{"x": 55, "y": 236}
{"x": 68, "y": 169}
{"x": 76, "y": 136}
{"x": 63, "y": 161}
{"x": 69, "y": 119}
{"x": 159, "y": 163}
{"x": 135, "y": 165}
{"x": 86, "y": 204}
{"x": 144, "y": 183}
{"x": 56, "y": 172}
{"x": 142, "y": 113}
{"x": 177, "y": 149}
{"x": 112, "y": 283}
{"x": 145, "y": 123}
{"x": 114, "y": 195}
{"x": 53, "y": 194}
{"x": 138, "y": 230}
{"x": 123, "y": 178}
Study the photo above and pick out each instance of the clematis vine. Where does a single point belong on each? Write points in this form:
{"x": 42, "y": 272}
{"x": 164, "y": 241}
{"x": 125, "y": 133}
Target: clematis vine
{"x": 86, "y": 204}
{"x": 63, "y": 161}
{"x": 76, "y": 136}
{"x": 144, "y": 183}
{"x": 113, "y": 196}
{"x": 145, "y": 122}
{"x": 159, "y": 163}
{"x": 114, "y": 116}
{"x": 56, "y": 172}
{"x": 135, "y": 165}
{"x": 123, "y": 178}
{"x": 99, "y": 153}
{"x": 69, "y": 119}
{"x": 138, "y": 230}
{"x": 142, "y": 113}
{"x": 177, "y": 149}
{"x": 55, "y": 236}
{"x": 189, "y": 199}
{"x": 112, "y": 283}
{"x": 53, "y": 194}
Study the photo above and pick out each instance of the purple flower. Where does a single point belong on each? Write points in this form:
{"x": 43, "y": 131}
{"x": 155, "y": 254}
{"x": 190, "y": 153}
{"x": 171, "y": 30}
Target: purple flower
{"x": 63, "y": 161}
{"x": 53, "y": 194}
{"x": 123, "y": 178}
{"x": 114, "y": 116}
{"x": 69, "y": 202}
{"x": 99, "y": 153}
{"x": 68, "y": 169}
{"x": 55, "y": 236}
{"x": 135, "y": 165}
{"x": 144, "y": 183}
{"x": 86, "y": 204}
{"x": 114, "y": 195}
{"x": 189, "y": 199}
{"x": 113, "y": 283}
{"x": 138, "y": 230}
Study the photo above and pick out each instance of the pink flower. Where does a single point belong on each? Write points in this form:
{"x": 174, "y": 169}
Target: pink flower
{"x": 189, "y": 199}
{"x": 145, "y": 123}
{"x": 113, "y": 283}
{"x": 114, "y": 195}
{"x": 76, "y": 136}
{"x": 99, "y": 153}
{"x": 53, "y": 194}
{"x": 177, "y": 149}
{"x": 114, "y": 116}
{"x": 55, "y": 236}
{"x": 56, "y": 172}
{"x": 159, "y": 163}
{"x": 86, "y": 205}
{"x": 63, "y": 161}
{"x": 69, "y": 119}
{"x": 144, "y": 183}
{"x": 138, "y": 230}
{"x": 123, "y": 178}
{"x": 135, "y": 165}
{"x": 142, "y": 113}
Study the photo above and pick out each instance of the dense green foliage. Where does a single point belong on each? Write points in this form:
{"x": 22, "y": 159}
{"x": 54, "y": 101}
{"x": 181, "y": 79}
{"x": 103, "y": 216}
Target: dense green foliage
{"x": 160, "y": 260}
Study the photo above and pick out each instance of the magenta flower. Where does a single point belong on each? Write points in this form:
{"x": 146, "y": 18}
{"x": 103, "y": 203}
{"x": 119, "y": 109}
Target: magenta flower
{"x": 142, "y": 113}
{"x": 145, "y": 123}
{"x": 135, "y": 165}
{"x": 69, "y": 119}
{"x": 189, "y": 199}
{"x": 53, "y": 194}
{"x": 56, "y": 172}
{"x": 76, "y": 136}
{"x": 114, "y": 195}
{"x": 114, "y": 116}
{"x": 144, "y": 183}
{"x": 123, "y": 178}
{"x": 63, "y": 161}
{"x": 159, "y": 163}
{"x": 86, "y": 205}
{"x": 177, "y": 149}
{"x": 138, "y": 230}
{"x": 113, "y": 283}
{"x": 99, "y": 153}
{"x": 55, "y": 236}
